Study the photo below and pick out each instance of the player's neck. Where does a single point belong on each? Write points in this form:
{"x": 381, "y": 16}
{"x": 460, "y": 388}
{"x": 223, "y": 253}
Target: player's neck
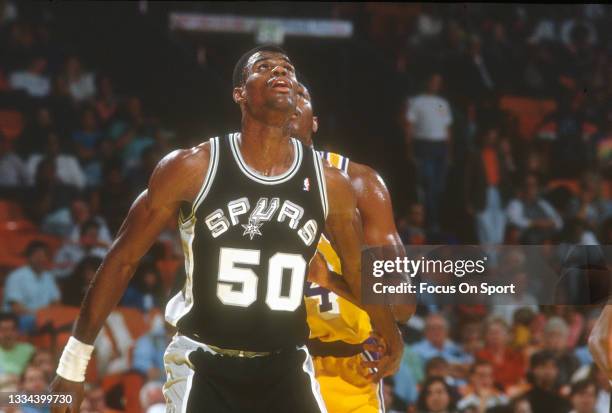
{"x": 264, "y": 147}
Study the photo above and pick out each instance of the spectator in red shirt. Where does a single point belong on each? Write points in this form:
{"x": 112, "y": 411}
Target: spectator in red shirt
{"x": 508, "y": 365}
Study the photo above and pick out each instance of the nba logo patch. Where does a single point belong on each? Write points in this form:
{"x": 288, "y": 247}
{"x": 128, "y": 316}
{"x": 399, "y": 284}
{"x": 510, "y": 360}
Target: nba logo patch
{"x": 306, "y": 184}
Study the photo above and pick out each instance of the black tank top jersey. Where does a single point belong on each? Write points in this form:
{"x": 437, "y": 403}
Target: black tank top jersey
{"x": 248, "y": 240}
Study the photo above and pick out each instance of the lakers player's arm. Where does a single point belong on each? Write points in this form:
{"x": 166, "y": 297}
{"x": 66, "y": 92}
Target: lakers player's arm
{"x": 379, "y": 230}
{"x": 344, "y": 229}
{"x": 600, "y": 341}
{"x": 176, "y": 178}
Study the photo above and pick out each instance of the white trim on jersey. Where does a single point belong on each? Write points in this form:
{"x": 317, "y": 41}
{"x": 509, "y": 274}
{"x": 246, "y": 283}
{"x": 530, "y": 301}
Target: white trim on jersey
{"x": 320, "y": 171}
{"x": 182, "y": 302}
{"x": 308, "y": 367}
{"x": 381, "y": 397}
{"x": 187, "y": 391}
{"x": 208, "y": 179}
{"x": 256, "y": 176}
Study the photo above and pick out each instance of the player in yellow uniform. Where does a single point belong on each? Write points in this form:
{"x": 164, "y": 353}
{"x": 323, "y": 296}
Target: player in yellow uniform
{"x": 338, "y": 328}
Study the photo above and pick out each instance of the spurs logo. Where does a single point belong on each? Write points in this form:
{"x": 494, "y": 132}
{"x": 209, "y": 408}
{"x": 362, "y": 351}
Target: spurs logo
{"x": 265, "y": 210}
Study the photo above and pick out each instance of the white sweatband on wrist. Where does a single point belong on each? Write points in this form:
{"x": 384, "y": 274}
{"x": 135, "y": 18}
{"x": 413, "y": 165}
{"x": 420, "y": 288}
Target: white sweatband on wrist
{"x": 73, "y": 363}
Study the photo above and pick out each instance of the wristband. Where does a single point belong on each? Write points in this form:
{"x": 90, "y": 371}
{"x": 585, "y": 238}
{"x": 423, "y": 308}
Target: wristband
{"x": 73, "y": 363}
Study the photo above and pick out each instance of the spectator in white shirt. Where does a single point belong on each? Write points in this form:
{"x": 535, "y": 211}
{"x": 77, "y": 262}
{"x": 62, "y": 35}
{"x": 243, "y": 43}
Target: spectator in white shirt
{"x": 428, "y": 119}
{"x": 82, "y": 84}
{"x": 32, "y": 81}
{"x": 533, "y": 215}
{"x": 67, "y": 167}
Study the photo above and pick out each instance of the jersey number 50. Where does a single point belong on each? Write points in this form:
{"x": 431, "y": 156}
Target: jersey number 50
{"x": 230, "y": 276}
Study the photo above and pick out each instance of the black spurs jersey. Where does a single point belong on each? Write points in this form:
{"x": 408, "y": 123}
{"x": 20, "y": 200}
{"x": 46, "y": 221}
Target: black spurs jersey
{"x": 247, "y": 240}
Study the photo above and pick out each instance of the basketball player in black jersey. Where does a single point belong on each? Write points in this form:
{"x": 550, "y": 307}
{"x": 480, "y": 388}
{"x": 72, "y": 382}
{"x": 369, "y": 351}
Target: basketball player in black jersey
{"x": 251, "y": 207}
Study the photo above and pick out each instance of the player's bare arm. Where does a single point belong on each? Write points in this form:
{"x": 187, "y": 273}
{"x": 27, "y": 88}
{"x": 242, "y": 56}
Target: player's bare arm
{"x": 376, "y": 211}
{"x": 344, "y": 229}
{"x": 600, "y": 341}
{"x": 176, "y": 178}
{"x": 319, "y": 273}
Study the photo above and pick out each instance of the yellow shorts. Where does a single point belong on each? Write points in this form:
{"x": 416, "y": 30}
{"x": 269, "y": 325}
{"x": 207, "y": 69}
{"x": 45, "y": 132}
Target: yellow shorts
{"x": 344, "y": 386}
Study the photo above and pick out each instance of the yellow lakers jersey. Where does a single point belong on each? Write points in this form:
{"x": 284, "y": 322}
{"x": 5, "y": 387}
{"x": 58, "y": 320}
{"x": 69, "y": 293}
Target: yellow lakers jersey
{"x": 330, "y": 317}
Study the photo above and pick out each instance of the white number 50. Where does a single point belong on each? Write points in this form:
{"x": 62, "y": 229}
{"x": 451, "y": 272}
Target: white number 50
{"x": 230, "y": 275}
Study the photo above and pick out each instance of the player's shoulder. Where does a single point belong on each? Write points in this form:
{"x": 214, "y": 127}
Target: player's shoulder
{"x": 181, "y": 171}
{"x": 367, "y": 182}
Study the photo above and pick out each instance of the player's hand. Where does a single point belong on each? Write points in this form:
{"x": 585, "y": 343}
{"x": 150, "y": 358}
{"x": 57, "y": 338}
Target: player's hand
{"x": 388, "y": 361}
{"x": 76, "y": 389}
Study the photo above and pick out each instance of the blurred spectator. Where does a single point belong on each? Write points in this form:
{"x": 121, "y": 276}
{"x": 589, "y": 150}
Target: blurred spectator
{"x": 33, "y": 80}
{"x": 436, "y": 397}
{"x": 138, "y": 176}
{"x": 412, "y": 227}
{"x": 145, "y": 290}
{"x": 48, "y": 195}
{"x": 591, "y": 207}
{"x": 437, "y": 343}
{"x": 44, "y": 360}
{"x": 583, "y": 397}
{"x": 80, "y": 213}
{"x": 82, "y": 84}
{"x": 521, "y": 405}
{"x": 428, "y": 119}
{"x": 12, "y": 170}
{"x": 508, "y": 365}
{"x": 544, "y": 377}
{"x": 34, "y": 380}
{"x": 149, "y": 349}
{"x": 95, "y": 401}
{"x": 133, "y": 132}
{"x": 482, "y": 394}
{"x": 409, "y": 375}
{"x": 556, "y": 333}
{"x": 106, "y": 103}
{"x": 392, "y": 404}
{"x": 114, "y": 204}
{"x": 14, "y": 354}
{"x": 62, "y": 106}
{"x": 31, "y": 287}
{"x": 477, "y": 79}
{"x": 87, "y": 136}
{"x": 439, "y": 367}
{"x": 68, "y": 170}
{"x": 506, "y": 305}
{"x": 582, "y": 353}
{"x": 488, "y": 188}
{"x": 74, "y": 287}
{"x": 71, "y": 253}
{"x": 532, "y": 214}
{"x": 571, "y": 139}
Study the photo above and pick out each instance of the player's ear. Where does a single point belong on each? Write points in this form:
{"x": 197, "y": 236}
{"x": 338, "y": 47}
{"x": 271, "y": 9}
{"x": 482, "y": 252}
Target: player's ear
{"x": 238, "y": 94}
{"x": 315, "y": 124}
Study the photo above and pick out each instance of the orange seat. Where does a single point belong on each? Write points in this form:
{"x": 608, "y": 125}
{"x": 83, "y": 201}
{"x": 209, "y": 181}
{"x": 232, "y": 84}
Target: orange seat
{"x": 55, "y": 322}
{"x": 11, "y": 123}
{"x": 10, "y": 211}
{"x": 131, "y": 384}
{"x": 530, "y": 112}
{"x": 571, "y": 185}
{"x": 14, "y": 241}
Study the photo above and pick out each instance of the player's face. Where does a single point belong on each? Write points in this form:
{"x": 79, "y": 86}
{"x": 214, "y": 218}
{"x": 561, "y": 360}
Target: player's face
{"x": 303, "y": 124}
{"x": 270, "y": 82}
